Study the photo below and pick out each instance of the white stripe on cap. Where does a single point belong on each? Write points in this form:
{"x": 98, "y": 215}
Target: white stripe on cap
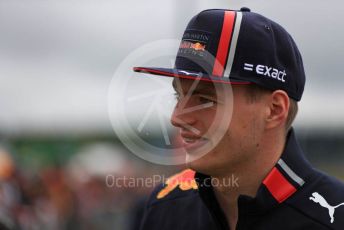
{"x": 233, "y": 44}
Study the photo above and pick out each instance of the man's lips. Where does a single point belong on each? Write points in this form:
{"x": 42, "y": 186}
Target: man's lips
{"x": 192, "y": 142}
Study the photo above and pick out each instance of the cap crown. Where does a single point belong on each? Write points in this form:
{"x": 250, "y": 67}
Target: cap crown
{"x": 246, "y": 46}
{"x": 237, "y": 47}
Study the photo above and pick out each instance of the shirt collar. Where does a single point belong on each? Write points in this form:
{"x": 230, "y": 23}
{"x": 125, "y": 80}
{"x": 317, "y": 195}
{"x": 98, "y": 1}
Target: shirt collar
{"x": 291, "y": 172}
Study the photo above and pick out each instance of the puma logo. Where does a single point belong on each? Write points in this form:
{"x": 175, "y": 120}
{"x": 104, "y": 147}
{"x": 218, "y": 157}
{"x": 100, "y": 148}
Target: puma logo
{"x": 317, "y": 198}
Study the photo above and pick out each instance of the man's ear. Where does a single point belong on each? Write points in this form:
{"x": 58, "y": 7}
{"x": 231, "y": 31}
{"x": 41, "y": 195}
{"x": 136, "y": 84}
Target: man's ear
{"x": 278, "y": 109}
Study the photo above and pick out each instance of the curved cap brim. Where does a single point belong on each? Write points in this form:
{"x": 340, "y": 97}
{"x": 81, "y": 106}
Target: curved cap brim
{"x": 186, "y": 74}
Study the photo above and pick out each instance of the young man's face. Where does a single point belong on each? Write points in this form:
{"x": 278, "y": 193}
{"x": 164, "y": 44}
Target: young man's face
{"x": 199, "y": 115}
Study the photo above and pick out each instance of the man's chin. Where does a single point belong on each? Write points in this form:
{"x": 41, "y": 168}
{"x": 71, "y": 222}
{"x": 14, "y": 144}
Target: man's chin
{"x": 200, "y": 159}
{"x": 197, "y": 163}
{"x": 192, "y": 156}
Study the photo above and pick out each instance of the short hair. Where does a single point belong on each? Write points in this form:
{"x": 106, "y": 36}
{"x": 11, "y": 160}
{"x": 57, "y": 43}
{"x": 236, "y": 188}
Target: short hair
{"x": 254, "y": 94}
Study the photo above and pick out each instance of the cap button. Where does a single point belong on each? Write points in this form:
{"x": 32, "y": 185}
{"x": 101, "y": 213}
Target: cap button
{"x": 245, "y": 9}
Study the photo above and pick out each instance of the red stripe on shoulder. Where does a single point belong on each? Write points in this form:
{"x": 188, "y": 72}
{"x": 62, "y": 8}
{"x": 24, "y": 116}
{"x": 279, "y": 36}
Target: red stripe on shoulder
{"x": 279, "y": 187}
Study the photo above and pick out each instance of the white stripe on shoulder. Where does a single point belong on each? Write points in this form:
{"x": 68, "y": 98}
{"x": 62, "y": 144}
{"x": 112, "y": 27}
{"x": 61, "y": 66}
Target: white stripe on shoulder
{"x": 290, "y": 172}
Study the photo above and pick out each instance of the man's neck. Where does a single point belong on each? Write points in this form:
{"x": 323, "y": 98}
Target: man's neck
{"x": 250, "y": 176}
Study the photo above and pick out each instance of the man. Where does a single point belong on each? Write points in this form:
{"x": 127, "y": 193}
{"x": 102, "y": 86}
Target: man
{"x": 246, "y": 62}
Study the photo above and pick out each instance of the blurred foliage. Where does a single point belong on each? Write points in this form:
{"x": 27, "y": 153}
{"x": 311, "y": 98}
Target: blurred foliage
{"x": 50, "y": 151}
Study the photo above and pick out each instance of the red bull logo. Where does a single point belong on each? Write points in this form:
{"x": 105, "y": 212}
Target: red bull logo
{"x": 195, "y": 46}
{"x": 185, "y": 180}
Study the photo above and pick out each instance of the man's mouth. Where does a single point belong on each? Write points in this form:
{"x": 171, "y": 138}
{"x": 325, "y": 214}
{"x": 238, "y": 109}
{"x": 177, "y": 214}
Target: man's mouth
{"x": 192, "y": 140}
{"x": 192, "y": 143}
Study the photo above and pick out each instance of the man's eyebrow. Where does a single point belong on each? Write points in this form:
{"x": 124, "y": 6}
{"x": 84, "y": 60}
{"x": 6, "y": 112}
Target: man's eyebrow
{"x": 200, "y": 89}
{"x": 204, "y": 91}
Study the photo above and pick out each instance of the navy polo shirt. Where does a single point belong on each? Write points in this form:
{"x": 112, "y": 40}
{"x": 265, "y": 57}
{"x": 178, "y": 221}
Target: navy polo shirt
{"x": 293, "y": 195}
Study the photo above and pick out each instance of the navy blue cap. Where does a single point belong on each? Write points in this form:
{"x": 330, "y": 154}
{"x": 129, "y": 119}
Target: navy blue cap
{"x": 237, "y": 47}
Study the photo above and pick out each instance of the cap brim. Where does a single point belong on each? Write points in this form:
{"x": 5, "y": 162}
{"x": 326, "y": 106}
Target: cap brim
{"x": 187, "y": 74}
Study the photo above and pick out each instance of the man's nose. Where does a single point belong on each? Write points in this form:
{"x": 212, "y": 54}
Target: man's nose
{"x": 181, "y": 118}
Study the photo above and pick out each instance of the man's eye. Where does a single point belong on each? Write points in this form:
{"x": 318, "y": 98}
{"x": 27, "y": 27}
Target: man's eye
{"x": 206, "y": 100}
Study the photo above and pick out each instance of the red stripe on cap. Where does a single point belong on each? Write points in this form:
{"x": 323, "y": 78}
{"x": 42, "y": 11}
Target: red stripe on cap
{"x": 278, "y": 185}
{"x": 224, "y": 44}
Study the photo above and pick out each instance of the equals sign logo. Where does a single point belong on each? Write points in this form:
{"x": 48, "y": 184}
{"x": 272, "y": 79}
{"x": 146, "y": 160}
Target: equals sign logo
{"x": 248, "y": 67}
